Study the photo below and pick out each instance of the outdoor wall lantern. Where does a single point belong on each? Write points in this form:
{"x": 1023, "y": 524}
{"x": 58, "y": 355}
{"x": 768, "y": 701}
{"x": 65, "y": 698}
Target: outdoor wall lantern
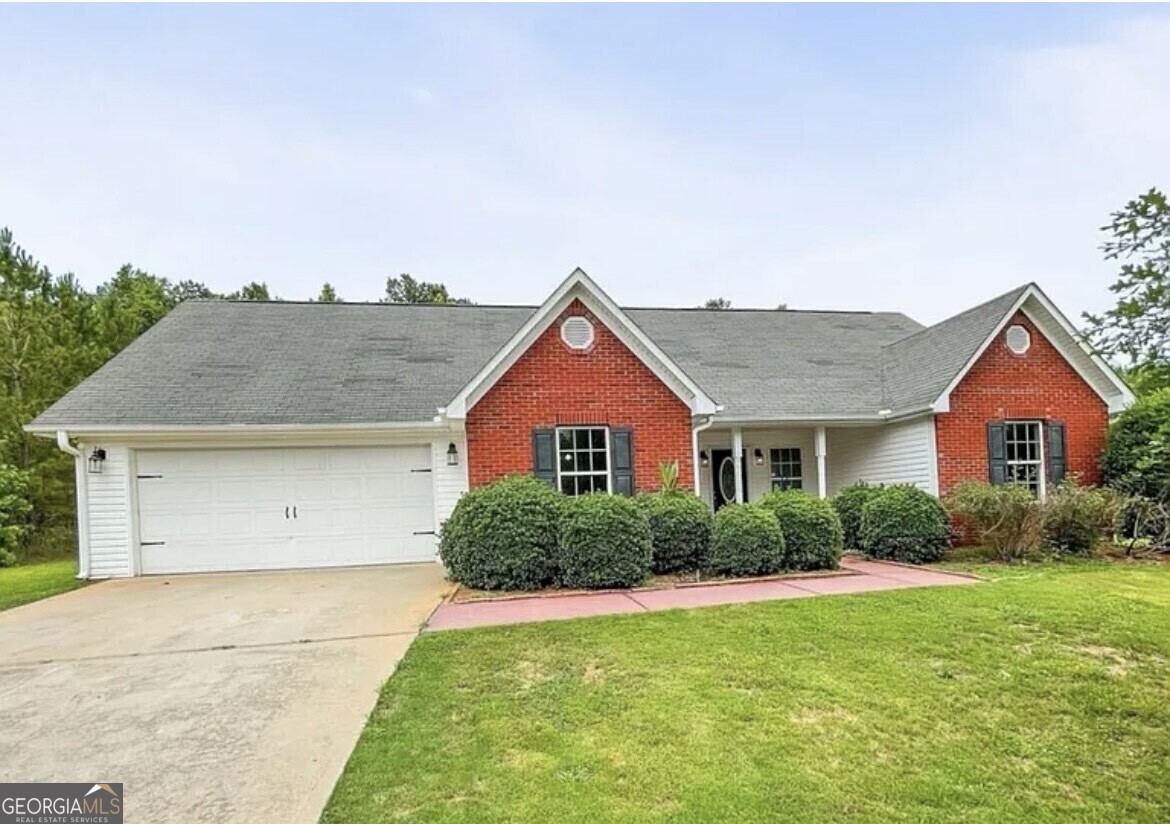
{"x": 97, "y": 459}
{"x": 452, "y": 455}
{"x": 704, "y": 459}
{"x": 759, "y": 456}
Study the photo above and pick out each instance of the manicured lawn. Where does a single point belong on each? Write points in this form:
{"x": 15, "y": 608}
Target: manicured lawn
{"x": 22, "y": 584}
{"x": 1043, "y": 695}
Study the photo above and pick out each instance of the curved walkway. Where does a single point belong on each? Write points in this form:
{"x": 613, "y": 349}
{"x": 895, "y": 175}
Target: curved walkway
{"x": 870, "y": 576}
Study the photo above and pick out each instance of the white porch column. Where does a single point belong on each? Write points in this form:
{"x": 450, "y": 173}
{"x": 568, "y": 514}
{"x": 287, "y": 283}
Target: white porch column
{"x": 821, "y": 445}
{"x": 737, "y": 456}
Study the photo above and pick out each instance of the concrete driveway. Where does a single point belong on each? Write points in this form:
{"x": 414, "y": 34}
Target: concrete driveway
{"x": 210, "y": 697}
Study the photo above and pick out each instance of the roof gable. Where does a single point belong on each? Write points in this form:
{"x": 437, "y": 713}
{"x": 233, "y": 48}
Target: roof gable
{"x": 920, "y": 371}
{"x": 579, "y": 287}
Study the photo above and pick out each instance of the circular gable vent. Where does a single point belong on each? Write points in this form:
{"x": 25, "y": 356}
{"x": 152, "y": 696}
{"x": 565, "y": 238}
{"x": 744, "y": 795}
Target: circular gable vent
{"x": 1018, "y": 339}
{"x": 577, "y": 332}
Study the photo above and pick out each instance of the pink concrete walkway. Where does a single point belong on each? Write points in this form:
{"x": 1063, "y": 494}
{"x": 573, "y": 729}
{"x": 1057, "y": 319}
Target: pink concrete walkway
{"x": 872, "y": 576}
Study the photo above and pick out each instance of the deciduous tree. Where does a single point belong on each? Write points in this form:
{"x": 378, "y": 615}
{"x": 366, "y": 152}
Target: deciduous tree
{"x": 1137, "y": 330}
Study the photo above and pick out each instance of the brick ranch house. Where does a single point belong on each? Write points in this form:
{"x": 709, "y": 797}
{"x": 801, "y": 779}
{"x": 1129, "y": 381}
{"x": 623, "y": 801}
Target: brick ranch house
{"x": 239, "y": 436}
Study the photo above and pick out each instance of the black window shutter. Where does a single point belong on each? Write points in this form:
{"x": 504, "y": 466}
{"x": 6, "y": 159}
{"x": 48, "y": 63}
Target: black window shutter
{"x": 621, "y": 442}
{"x": 996, "y": 453}
{"x": 1054, "y": 452}
{"x": 544, "y": 455}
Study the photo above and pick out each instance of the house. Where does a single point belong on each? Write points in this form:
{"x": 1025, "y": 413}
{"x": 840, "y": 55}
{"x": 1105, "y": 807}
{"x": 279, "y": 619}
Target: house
{"x": 269, "y": 435}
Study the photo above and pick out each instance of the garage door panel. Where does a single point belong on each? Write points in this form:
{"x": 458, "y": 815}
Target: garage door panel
{"x": 266, "y": 490}
{"x": 225, "y": 509}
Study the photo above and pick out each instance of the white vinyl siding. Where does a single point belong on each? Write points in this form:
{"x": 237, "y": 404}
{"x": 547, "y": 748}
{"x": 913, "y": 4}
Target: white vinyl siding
{"x": 450, "y": 481}
{"x": 896, "y": 453}
{"x": 109, "y": 516}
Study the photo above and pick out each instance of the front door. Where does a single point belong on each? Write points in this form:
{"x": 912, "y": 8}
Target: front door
{"x": 723, "y": 478}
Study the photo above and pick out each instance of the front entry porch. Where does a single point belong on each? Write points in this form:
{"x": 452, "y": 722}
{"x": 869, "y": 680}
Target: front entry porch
{"x": 742, "y": 463}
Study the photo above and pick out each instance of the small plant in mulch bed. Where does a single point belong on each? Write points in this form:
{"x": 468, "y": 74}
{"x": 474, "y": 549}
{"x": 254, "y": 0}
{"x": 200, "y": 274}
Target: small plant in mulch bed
{"x": 747, "y": 541}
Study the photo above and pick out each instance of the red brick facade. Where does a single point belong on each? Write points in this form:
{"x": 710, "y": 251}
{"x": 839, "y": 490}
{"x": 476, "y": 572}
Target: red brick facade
{"x": 1038, "y": 385}
{"x": 553, "y": 385}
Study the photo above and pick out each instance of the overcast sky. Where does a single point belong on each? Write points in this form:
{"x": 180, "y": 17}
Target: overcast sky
{"x": 911, "y": 158}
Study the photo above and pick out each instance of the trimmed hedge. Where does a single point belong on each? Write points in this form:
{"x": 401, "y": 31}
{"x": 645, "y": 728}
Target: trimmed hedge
{"x": 680, "y": 530}
{"x": 747, "y": 541}
{"x": 848, "y": 502}
{"x": 503, "y": 535}
{"x": 605, "y": 541}
{"x": 904, "y": 523}
{"x": 811, "y": 529}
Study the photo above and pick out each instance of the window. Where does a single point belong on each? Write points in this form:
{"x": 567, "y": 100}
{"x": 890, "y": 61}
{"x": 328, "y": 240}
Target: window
{"x": 1024, "y": 452}
{"x": 583, "y": 460}
{"x": 786, "y": 469}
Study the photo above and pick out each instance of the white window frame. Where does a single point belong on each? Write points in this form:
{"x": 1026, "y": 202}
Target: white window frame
{"x": 773, "y": 478}
{"x": 588, "y": 473}
{"x": 1042, "y": 436}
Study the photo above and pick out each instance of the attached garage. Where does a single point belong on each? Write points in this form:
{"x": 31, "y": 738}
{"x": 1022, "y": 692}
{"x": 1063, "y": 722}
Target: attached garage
{"x": 245, "y": 509}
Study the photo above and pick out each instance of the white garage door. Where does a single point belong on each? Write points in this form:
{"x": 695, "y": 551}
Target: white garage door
{"x": 232, "y": 509}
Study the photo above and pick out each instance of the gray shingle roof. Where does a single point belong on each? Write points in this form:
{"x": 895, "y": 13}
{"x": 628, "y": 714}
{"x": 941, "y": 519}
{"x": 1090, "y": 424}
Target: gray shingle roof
{"x": 772, "y": 364}
{"x": 287, "y": 363}
{"x": 220, "y": 363}
{"x": 918, "y": 368}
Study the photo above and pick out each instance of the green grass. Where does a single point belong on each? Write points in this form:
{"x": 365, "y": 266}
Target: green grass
{"x": 1041, "y": 695}
{"x": 23, "y": 584}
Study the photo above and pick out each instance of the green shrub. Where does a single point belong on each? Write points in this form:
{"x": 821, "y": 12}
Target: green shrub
{"x": 503, "y": 535}
{"x": 848, "y": 502}
{"x": 1075, "y": 517}
{"x": 903, "y": 523}
{"x": 1136, "y": 459}
{"x": 747, "y": 541}
{"x": 811, "y": 529}
{"x": 605, "y": 542}
{"x": 680, "y": 529}
{"x": 14, "y": 510}
{"x": 1007, "y": 518}
{"x": 1140, "y": 519}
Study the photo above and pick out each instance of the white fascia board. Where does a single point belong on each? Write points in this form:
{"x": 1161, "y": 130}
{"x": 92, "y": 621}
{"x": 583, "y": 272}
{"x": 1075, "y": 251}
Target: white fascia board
{"x": 801, "y": 421}
{"x": 578, "y": 285}
{"x": 1116, "y": 403}
{"x": 242, "y": 429}
{"x": 1125, "y": 394}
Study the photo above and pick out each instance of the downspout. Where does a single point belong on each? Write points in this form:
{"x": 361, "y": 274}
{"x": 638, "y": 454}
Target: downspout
{"x": 695, "y": 448}
{"x": 82, "y": 502}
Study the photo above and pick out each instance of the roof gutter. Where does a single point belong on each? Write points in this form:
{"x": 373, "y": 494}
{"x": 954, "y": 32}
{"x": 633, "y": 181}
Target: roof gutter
{"x": 235, "y": 428}
{"x": 80, "y": 478}
{"x": 695, "y": 448}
